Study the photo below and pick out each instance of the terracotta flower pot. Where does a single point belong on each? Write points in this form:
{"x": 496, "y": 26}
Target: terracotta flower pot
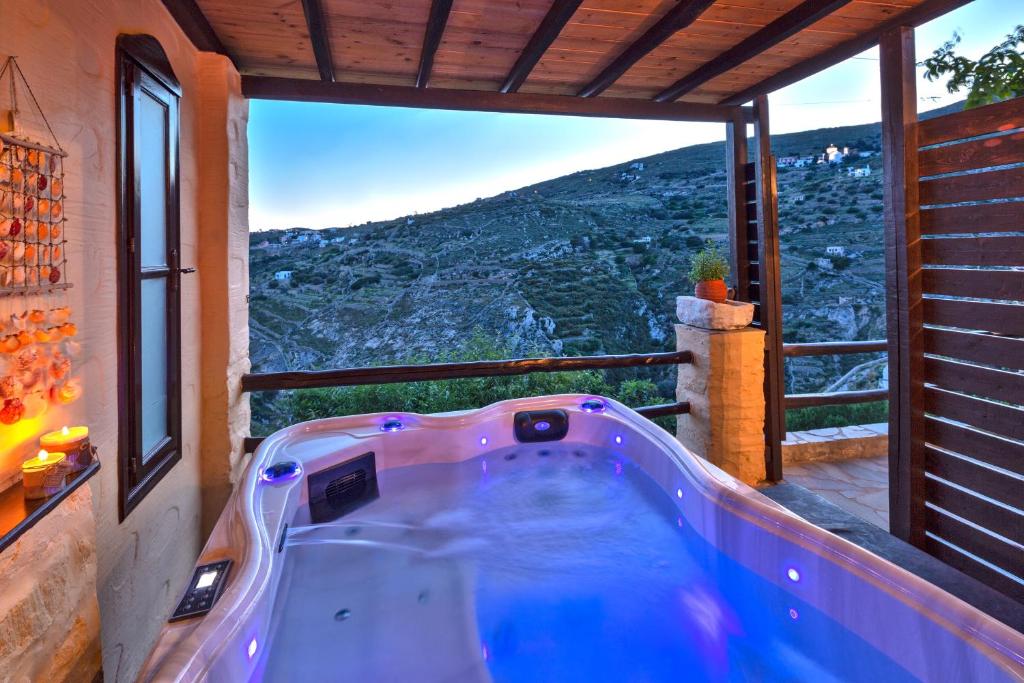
{"x": 712, "y": 290}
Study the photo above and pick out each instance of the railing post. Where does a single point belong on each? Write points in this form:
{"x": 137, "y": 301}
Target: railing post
{"x": 724, "y": 386}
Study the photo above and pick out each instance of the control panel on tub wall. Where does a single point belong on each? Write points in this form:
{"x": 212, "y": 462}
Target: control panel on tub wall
{"x": 204, "y": 590}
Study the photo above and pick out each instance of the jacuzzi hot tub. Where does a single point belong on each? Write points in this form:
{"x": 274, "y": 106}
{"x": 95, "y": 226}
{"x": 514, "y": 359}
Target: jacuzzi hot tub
{"x": 562, "y": 538}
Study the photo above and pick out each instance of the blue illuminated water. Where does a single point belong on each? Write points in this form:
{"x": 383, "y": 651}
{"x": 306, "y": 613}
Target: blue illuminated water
{"x": 541, "y": 563}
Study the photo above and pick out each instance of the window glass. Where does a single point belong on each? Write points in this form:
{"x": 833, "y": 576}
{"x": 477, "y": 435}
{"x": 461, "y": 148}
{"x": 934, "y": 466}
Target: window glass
{"x": 154, "y": 364}
{"x": 151, "y": 138}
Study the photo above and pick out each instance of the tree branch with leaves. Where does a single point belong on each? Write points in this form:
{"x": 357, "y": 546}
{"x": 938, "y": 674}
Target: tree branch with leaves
{"x": 996, "y": 76}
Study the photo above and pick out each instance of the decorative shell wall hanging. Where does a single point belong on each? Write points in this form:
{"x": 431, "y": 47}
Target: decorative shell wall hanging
{"x": 37, "y": 337}
{"x": 33, "y": 246}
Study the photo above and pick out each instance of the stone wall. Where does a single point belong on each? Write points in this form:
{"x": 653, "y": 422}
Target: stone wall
{"x": 49, "y": 617}
{"x": 836, "y": 443}
{"x": 139, "y": 566}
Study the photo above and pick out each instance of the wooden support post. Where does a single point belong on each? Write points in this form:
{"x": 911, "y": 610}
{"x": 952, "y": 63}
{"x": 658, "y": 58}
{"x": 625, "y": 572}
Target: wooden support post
{"x": 903, "y": 284}
{"x": 735, "y": 163}
{"x": 770, "y": 290}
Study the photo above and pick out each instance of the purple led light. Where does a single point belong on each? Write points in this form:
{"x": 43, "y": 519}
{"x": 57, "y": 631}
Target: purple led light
{"x": 392, "y": 424}
{"x": 618, "y": 469}
{"x": 483, "y": 466}
{"x": 542, "y": 426}
{"x": 679, "y": 493}
{"x": 483, "y": 440}
{"x": 793, "y": 575}
{"x": 618, "y": 440}
{"x": 252, "y": 648}
{"x": 793, "y": 614}
{"x": 281, "y": 471}
{"x": 593, "y": 405}
{"x": 679, "y": 522}
{"x": 485, "y": 651}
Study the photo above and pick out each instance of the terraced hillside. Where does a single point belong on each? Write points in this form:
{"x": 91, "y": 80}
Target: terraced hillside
{"x": 586, "y": 263}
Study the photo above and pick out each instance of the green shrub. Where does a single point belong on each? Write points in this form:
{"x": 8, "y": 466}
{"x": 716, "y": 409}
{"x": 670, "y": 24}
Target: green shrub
{"x": 708, "y": 264}
{"x": 820, "y": 417}
{"x": 274, "y": 411}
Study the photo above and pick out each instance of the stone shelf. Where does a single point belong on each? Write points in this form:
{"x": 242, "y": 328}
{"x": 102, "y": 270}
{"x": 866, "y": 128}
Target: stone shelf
{"x": 18, "y": 515}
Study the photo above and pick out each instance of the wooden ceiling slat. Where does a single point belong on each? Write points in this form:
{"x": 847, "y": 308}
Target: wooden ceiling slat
{"x": 195, "y": 25}
{"x": 915, "y": 16}
{"x": 318, "y": 38}
{"x": 774, "y": 33}
{"x": 684, "y": 13}
{"x": 382, "y": 41}
{"x": 439, "y": 11}
{"x": 552, "y": 24}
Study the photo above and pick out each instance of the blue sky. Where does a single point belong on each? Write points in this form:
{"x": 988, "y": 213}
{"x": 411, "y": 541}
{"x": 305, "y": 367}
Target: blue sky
{"x": 323, "y": 165}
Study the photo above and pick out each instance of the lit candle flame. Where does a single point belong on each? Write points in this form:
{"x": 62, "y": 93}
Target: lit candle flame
{"x": 43, "y": 455}
{"x": 65, "y": 431}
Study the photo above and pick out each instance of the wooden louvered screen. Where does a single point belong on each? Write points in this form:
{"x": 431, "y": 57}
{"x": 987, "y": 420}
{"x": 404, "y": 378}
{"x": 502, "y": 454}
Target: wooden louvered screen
{"x": 754, "y": 240}
{"x": 748, "y": 239}
{"x": 971, "y": 169}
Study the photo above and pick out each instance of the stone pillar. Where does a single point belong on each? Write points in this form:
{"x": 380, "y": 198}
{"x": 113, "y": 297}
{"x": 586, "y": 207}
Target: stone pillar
{"x": 224, "y": 278}
{"x": 725, "y": 387}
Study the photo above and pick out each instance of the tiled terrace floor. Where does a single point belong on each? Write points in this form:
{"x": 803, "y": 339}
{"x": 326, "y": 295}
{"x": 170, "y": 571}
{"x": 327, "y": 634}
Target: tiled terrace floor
{"x": 859, "y": 486}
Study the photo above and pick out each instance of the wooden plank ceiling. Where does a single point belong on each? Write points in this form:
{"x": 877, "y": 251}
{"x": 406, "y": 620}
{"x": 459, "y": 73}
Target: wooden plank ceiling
{"x": 697, "y": 51}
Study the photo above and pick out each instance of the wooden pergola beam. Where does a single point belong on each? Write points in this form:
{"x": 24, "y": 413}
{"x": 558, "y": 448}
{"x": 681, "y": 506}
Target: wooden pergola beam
{"x": 774, "y": 33}
{"x": 318, "y": 38}
{"x": 550, "y": 26}
{"x": 195, "y": 25}
{"x": 915, "y": 16}
{"x": 439, "y": 11}
{"x": 684, "y": 13}
{"x": 304, "y": 90}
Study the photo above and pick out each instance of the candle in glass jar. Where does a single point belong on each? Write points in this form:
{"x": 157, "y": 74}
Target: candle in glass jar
{"x": 43, "y": 475}
{"x": 72, "y": 441}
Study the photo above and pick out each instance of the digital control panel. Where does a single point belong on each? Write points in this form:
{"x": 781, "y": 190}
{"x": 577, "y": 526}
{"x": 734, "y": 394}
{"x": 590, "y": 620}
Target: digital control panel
{"x": 203, "y": 591}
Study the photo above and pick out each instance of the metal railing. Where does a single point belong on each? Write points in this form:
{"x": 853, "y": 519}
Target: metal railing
{"x": 834, "y": 397}
{"x": 392, "y": 374}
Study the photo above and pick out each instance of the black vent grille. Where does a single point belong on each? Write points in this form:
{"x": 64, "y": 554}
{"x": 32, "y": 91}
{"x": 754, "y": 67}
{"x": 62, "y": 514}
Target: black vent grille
{"x": 340, "y": 489}
{"x": 343, "y": 490}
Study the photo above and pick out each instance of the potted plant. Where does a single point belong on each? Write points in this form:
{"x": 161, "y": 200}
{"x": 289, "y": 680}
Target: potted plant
{"x": 708, "y": 269}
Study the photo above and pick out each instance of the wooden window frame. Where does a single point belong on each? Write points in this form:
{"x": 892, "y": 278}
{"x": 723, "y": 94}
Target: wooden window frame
{"x": 144, "y": 70}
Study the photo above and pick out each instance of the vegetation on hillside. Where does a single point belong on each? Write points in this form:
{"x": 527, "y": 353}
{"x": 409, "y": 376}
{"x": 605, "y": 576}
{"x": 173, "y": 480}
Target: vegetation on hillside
{"x": 274, "y": 412}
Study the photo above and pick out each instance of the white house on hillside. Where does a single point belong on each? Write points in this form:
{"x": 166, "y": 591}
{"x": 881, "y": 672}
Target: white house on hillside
{"x": 836, "y": 251}
{"x": 859, "y": 172}
{"x": 283, "y": 275}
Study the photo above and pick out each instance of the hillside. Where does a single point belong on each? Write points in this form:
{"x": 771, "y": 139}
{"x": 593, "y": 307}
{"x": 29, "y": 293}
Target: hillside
{"x": 586, "y": 263}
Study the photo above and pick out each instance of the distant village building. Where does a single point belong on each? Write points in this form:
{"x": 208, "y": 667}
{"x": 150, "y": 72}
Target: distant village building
{"x": 833, "y": 155}
{"x": 836, "y": 251}
{"x": 859, "y": 172}
{"x": 797, "y": 161}
{"x": 637, "y": 165}
{"x": 646, "y": 239}
{"x": 283, "y": 275}
{"x": 823, "y": 263}
{"x": 410, "y": 220}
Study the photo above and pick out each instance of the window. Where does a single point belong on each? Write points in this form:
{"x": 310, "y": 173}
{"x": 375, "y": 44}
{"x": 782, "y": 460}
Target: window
{"x": 149, "y": 301}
